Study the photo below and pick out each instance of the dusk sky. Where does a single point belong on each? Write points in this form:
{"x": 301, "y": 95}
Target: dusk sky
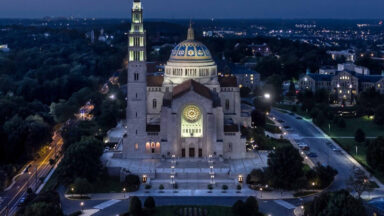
{"x": 196, "y": 8}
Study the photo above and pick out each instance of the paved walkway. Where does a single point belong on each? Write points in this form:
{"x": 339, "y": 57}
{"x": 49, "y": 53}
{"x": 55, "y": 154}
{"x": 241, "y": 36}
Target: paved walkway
{"x": 193, "y": 193}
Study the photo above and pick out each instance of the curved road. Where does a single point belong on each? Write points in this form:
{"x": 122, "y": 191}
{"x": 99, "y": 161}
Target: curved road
{"x": 303, "y": 131}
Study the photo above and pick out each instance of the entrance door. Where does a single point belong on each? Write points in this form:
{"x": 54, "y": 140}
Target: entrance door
{"x": 183, "y": 152}
{"x": 191, "y": 152}
{"x": 200, "y": 152}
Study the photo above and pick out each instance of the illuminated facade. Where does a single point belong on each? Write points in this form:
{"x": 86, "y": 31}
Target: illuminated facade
{"x": 187, "y": 113}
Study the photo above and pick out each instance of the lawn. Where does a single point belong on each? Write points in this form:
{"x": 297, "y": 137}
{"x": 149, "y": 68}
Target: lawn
{"x": 107, "y": 185}
{"x": 352, "y": 124}
{"x": 212, "y": 210}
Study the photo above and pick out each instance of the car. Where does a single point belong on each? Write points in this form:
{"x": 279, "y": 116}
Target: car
{"x": 27, "y": 168}
{"x": 21, "y": 201}
{"x": 312, "y": 155}
{"x": 304, "y": 146}
{"x": 291, "y": 113}
{"x": 281, "y": 121}
{"x": 286, "y": 127}
{"x": 299, "y": 118}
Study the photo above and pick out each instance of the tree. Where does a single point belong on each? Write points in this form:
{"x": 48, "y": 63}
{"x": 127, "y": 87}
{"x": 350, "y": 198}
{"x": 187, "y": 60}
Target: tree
{"x": 358, "y": 182}
{"x": 291, "y": 91}
{"x": 375, "y": 154}
{"x": 135, "y": 207}
{"x": 339, "y": 203}
{"x": 82, "y": 159}
{"x": 258, "y": 118}
{"x": 238, "y": 208}
{"x": 244, "y": 91}
{"x": 132, "y": 182}
{"x": 379, "y": 115}
{"x": 81, "y": 186}
{"x": 359, "y": 135}
{"x": 341, "y": 123}
{"x": 149, "y": 204}
{"x": 251, "y": 206}
{"x": 42, "y": 209}
{"x": 285, "y": 167}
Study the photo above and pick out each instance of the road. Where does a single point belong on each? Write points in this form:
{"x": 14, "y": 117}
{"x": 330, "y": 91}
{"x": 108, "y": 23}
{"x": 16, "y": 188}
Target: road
{"x": 302, "y": 130}
{"x": 31, "y": 179}
{"x": 106, "y": 207}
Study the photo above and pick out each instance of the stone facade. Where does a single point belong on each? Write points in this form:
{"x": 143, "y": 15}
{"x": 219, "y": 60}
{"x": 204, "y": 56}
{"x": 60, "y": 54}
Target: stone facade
{"x": 344, "y": 84}
{"x": 188, "y": 113}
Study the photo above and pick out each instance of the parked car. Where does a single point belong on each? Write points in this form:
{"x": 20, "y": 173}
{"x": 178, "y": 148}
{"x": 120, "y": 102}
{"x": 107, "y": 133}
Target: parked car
{"x": 299, "y": 118}
{"x": 312, "y": 155}
{"x": 21, "y": 201}
{"x": 304, "y": 146}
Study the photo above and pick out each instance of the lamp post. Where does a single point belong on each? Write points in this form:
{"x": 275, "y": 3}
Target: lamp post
{"x": 82, "y": 206}
{"x": 124, "y": 190}
{"x": 261, "y": 192}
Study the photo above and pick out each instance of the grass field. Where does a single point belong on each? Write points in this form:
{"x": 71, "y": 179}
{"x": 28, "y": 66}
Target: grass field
{"x": 212, "y": 210}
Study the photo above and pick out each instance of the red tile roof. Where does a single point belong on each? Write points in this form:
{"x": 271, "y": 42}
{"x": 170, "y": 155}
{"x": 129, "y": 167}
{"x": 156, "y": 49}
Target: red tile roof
{"x": 155, "y": 81}
{"x": 192, "y": 85}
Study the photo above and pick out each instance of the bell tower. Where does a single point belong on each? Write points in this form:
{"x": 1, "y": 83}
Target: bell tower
{"x": 137, "y": 85}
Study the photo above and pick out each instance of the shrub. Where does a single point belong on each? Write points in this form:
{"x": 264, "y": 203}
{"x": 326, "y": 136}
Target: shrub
{"x": 251, "y": 206}
{"x": 148, "y": 186}
{"x": 135, "y": 207}
{"x": 131, "y": 181}
{"x": 149, "y": 203}
{"x": 161, "y": 187}
{"x": 238, "y": 208}
{"x": 238, "y": 187}
{"x": 210, "y": 187}
{"x": 224, "y": 187}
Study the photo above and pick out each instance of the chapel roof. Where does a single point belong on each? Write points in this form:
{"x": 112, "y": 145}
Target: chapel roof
{"x": 192, "y": 85}
{"x": 155, "y": 81}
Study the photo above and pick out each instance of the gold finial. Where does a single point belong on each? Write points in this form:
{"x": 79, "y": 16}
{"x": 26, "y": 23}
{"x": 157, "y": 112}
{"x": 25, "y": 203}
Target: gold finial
{"x": 191, "y": 33}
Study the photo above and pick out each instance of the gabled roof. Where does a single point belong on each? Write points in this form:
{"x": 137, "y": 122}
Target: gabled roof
{"x": 192, "y": 85}
{"x": 155, "y": 81}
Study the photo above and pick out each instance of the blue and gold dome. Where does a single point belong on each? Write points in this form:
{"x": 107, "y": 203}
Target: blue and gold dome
{"x": 190, "y": 50}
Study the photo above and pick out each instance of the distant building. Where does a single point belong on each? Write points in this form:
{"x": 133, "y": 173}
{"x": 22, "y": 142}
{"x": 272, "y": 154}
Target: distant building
{"x": 332, "y": 70}
{"x": 344, "y": 84}
{"x": 245, "y": 76}
{"x": 349, "y": 55}
{"x": 4, "y": 48}
{"x": 260, "y": 49}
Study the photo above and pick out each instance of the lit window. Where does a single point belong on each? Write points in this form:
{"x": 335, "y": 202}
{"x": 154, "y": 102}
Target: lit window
{"x": 136, "y": 146}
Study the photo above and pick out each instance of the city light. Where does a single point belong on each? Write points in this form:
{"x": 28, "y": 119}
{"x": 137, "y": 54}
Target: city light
{"x": 267, "y": 96}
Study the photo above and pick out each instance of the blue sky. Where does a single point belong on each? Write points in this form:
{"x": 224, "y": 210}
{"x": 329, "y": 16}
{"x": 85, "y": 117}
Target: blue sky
{"x": 196, "y": 8}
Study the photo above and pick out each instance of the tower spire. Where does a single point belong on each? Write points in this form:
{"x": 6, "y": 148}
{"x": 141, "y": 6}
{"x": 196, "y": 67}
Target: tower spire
{"x": 191, "y": 33}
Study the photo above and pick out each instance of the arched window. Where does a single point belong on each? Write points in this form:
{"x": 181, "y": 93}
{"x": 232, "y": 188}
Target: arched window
{"x": 227, "y": 104}
{"x": 154, "y": 103}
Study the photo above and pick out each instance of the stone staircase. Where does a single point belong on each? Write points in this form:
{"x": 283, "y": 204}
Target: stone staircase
{"x": 193, "y": 174}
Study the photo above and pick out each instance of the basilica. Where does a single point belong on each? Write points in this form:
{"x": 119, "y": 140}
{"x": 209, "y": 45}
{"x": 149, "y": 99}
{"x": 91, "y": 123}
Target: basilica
{"x": 189, "y": 112}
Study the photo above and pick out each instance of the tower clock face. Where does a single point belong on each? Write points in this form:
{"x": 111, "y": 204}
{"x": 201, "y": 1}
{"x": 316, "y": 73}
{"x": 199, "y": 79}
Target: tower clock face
{"x": 191, "y": 113}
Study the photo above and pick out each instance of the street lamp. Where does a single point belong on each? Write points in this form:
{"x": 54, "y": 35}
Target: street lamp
{"x": 82, "y": 207}
{"x": 267, "y": 96}
{"x": 261, "y": 192}
{"x": 112, "y": 97}
{"x": 124, "y": 190}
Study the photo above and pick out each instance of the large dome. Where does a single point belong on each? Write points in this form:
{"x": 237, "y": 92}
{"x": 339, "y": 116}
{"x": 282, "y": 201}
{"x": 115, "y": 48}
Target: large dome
{"x": 190, "y": 50}
{"x": 190, "y": 59}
